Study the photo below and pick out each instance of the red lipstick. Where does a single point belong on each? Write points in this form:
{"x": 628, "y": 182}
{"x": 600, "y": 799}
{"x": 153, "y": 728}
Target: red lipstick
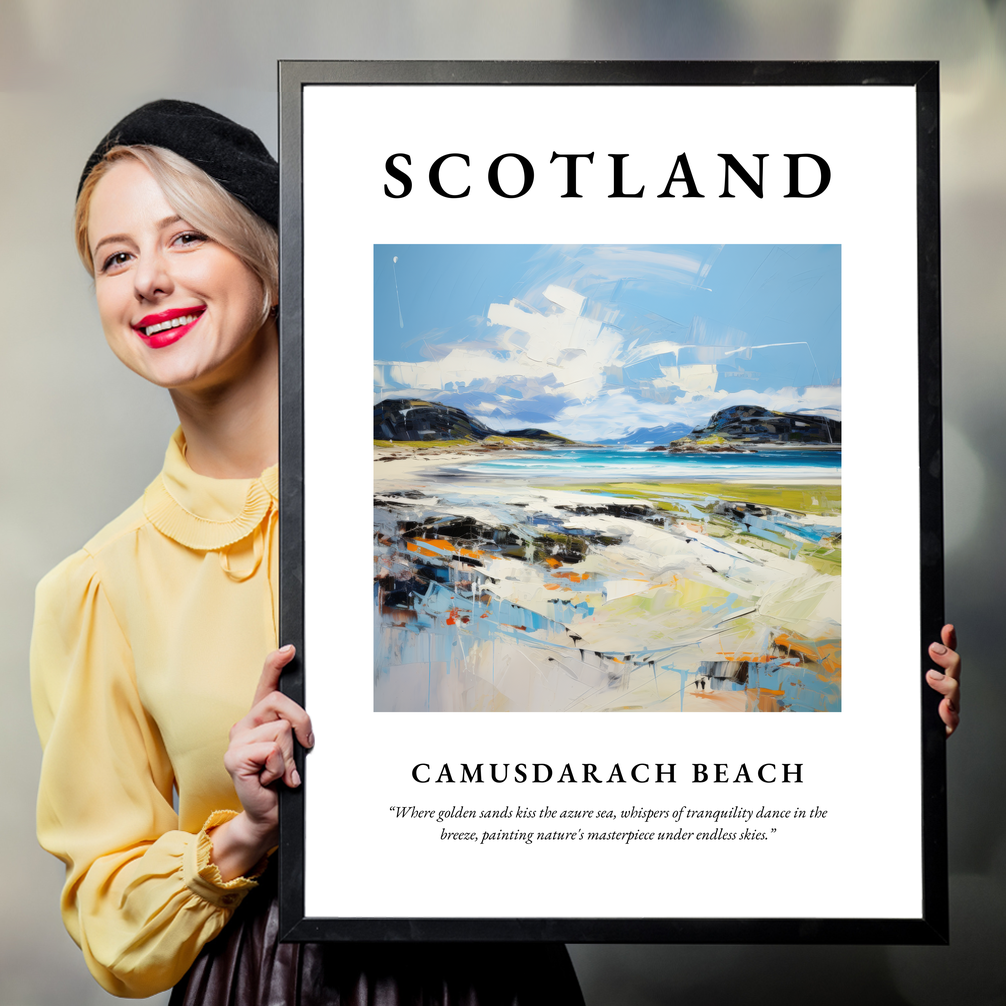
{"x": 166, "y": 327}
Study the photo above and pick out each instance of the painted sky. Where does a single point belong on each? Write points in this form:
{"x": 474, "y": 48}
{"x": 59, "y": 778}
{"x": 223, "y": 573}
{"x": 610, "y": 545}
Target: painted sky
{"x": 595, "y": 342}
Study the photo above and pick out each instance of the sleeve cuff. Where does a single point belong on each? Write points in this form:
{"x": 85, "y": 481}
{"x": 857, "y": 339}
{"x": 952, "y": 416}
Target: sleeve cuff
{"x": 202, "y": 876}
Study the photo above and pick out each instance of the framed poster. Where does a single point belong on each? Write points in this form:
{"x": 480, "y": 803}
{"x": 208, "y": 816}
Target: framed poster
{"x": 652, "y": 354}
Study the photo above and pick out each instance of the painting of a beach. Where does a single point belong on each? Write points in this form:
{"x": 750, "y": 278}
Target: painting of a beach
{"x": 607, "y": 478}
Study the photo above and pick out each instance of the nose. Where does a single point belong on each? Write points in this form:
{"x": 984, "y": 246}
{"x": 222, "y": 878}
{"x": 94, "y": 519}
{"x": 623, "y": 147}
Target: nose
{"x": 152, "y": 276}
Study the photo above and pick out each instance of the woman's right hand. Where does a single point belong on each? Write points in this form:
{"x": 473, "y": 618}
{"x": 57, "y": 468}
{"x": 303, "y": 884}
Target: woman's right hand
{"x": 260, "y": 753}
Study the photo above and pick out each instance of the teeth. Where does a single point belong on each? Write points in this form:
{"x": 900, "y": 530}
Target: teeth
{"x": 174, "y": 323}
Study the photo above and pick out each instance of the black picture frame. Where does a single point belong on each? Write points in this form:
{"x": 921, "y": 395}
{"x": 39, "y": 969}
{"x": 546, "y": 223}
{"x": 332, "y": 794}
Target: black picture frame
{"x": 932, "y": 925}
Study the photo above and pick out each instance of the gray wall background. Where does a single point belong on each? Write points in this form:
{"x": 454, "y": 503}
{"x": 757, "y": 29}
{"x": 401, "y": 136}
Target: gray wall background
{"x": 82, "y": 436}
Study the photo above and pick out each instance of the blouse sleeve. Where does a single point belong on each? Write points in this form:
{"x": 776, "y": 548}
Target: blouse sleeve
{"x": 141, "y": 898}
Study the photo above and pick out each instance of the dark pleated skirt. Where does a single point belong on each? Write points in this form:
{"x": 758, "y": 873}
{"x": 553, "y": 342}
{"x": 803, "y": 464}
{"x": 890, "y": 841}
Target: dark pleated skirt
{"x": 246, "y": 965}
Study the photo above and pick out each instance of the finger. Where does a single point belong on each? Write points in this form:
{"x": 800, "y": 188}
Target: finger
{"x": 949, "y": 708}
{"x": 280, "y": 733}
{"x": 274, "y": 766}
{"x": 949, "y": 636}
{"x": 259, "y": 760}
{"x": 945, "y": 685}
{"x": 275, "y": 706}
{"x": 948, "y": 659}
{"x": 271, "y": 670}
{"x": 950, "y": 716}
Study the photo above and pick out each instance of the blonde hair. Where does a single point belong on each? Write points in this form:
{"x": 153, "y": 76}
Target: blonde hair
{"x": 199, "y": 200}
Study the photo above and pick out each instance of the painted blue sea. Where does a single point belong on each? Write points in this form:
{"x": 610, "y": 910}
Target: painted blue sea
{"x": 605, "y": 464}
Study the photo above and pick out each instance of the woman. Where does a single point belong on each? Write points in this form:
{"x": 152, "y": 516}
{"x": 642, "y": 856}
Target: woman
{"x": 148, "y": 643}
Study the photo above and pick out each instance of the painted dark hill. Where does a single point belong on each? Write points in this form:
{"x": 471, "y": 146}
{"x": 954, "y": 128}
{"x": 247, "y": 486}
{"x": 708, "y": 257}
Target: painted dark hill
{"x": 415, "y": 419}
{"x": 752, "y": 424}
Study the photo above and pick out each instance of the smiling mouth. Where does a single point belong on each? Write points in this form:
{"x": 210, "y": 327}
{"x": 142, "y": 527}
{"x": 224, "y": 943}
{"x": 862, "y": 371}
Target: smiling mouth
{"x": 167, "y": 321}
{"x": 185, "y": 319}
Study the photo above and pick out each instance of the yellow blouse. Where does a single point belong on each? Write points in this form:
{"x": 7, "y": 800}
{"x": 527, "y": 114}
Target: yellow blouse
{"x": 147, "y": 647}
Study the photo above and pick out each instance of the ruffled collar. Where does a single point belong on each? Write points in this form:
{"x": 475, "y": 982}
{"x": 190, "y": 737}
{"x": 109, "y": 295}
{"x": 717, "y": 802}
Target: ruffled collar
{"x": 203, "y": 513}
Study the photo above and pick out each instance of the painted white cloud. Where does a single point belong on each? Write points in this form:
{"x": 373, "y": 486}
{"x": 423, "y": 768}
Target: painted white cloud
{"x": 561, "y": 355}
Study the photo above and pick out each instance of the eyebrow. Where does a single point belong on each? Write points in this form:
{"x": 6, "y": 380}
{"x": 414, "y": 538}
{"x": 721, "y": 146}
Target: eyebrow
{"x": 111, "y": 238}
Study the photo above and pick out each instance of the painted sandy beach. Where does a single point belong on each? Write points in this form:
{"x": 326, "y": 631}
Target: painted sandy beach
{"x": 537, "y": 585}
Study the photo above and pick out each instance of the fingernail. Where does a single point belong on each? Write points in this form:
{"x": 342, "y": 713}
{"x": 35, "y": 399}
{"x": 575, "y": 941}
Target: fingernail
{"x": 310, "y": 740}
{"x": 287, "y": 649}
{"x": 295, "y": 777}
{"x": 938, "y": 648}
{"x": 936, "y": 676}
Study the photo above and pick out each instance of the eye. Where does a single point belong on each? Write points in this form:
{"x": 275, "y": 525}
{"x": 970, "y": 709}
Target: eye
{"x": 189, "y": 239}
{"x": 115, "y": 261}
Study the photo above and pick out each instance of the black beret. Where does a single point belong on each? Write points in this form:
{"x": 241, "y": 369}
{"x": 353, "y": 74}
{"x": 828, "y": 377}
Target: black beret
{"x": 230, "y": 154}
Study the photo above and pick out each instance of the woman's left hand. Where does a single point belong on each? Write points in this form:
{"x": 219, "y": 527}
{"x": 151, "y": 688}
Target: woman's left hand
{"x": 948, "y": 681}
